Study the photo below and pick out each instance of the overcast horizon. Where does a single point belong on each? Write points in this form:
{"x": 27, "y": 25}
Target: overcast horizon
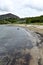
{"x": 22, "y": 8}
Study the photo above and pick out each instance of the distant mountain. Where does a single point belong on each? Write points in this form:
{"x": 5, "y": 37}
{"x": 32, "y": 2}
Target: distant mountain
{"x": 6, "y": 16}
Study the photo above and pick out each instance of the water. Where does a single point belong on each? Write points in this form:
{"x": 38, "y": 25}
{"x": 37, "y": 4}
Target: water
{"x": 13, "y": 37}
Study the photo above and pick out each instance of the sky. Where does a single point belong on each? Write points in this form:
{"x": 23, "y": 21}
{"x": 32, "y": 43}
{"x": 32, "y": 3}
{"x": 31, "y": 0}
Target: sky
{"x": 22, "y": 8}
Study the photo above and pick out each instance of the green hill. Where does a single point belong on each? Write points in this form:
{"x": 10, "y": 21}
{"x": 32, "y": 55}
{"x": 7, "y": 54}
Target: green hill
{"x": 8, "y": 18}
{"x": 38, "y": 19}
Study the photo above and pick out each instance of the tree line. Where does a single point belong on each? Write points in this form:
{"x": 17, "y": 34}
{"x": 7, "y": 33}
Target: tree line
{"x": 34, "y": 20}
{"x": 27, "y": 20}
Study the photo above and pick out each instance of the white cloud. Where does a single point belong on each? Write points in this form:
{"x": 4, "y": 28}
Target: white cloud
{"x": 22, "y": 8}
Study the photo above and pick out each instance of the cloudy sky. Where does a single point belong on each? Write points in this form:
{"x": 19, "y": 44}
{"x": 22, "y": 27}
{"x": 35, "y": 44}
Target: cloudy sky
{"x": 22, "y": 8}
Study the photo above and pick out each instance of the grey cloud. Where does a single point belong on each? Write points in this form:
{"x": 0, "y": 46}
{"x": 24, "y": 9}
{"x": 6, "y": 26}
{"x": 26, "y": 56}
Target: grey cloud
{"x": 22, "y": 7}
{"x": 33, "y": 7}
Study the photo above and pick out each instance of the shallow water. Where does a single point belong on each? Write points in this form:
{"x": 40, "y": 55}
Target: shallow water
{"x": 13, "y": 37}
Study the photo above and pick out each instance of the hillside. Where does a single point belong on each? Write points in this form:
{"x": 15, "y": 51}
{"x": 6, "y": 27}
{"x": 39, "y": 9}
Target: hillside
{"x": 8, "y": 18}
{"x": 37, "y": 19}
{"x": 32, "y": 20}
{"x": 9, "y": 15}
